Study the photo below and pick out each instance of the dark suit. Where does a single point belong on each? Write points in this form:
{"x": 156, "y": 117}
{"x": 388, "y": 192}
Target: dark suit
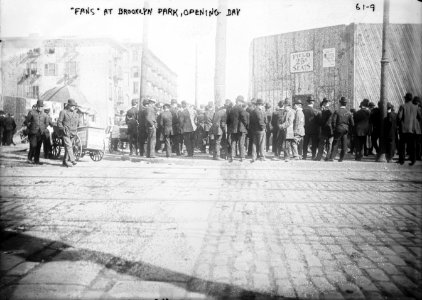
{"x": 142, "y": 131}
{"x": 176, "y": 137}
{"x": 390, "y": 132}
{"x": 37, "y": 123}
{"x": 9, "y": 128}
{"x": 68, "y": 122}
{"x": 207, "y": 126}
{"x": 268, "y": 131}
{"x": 408, "y": 119}
{"x": 311, "y": 130}
{"x": 342, "y": 122}
{"x": 237, "y": 128}
{"x": 361, "y": 120}
{"x": 151, "y": 128}
{"x": 133, "y": 134}
{"x": 374, "y": 124}
{"x": 166, "y": 125}
{"x": 219, "y": 131}
{"x": 326, "y": 135}
{"x": 258, "y": 123}
{"x": 279, "y": 117}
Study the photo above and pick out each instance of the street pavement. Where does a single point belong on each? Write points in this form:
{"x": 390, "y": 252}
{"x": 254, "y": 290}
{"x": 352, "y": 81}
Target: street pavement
{"x": 181, "y": 228}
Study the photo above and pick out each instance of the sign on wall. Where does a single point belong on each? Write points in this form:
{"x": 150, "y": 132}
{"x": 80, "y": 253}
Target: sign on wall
{"x": 302, "y": 62}
{"x": 329, "y": 57}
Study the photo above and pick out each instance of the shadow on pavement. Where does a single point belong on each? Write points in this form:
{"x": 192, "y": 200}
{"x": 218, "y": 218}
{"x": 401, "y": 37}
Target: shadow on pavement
{"x": 34, "y": 249}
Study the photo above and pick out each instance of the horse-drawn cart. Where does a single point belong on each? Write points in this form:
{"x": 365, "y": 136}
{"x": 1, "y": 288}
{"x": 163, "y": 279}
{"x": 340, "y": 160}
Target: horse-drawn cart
{"x": 89, "y": 140}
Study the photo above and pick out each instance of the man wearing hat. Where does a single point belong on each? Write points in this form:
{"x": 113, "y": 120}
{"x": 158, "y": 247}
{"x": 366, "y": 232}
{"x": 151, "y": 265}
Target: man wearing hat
{"x": 142, "y": 131}
{"x": 298, "y": 128}
{"x": 131, "y": 119}
{"x": 37, "y": 122}
{"x": 311, "y": 128}
{"x": 151, "y": 128}
{"x": 166, "y": 125}
{"x": 218, "y": 130}
{"x": 208, "y": 115}
{"x": 408, "y": 118}
{"x": 176, "y": 138}
{"x": 287, "y": 129}
{"x": 47, "y": 137}
{"x": 69, "y": 122}
{"x": 326, "y": 133}
{"x": 277, "y": 119}
{"x": 257, "y": 126}
{"x": 342, "y": 122}
{"x": 188, "y": 127}
{"x": 361, "y": 129}
{"x": 269, "y": 129}
{"x": 390, "y": 132}
{"x": 249, "y": 137}
{"x": 237, "y": 128}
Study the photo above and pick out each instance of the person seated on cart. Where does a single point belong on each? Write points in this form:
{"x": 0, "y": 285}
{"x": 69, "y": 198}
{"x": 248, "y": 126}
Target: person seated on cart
{"x": 68, "y": 123}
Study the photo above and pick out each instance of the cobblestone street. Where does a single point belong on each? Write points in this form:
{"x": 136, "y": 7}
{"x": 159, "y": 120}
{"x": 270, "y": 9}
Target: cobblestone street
{"x": 179, "y": 228}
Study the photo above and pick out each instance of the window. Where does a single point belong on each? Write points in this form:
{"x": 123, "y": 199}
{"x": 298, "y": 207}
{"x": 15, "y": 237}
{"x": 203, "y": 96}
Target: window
{"x": 31, "y": 68}
{"x": 136, "y": 87}
{"x": 135, "y": 55}
{"x": 50, "y": 50}
{"x": 71, "y": 68}
{"x": 50, "y": 70}
{"x": 135, "y": 72}
{"x": 32, "y": 91}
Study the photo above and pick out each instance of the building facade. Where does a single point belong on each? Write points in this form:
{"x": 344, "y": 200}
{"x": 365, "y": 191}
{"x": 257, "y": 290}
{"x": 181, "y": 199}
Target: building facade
{"x": 336, "y": 61}
{"x": 103, "y": 70}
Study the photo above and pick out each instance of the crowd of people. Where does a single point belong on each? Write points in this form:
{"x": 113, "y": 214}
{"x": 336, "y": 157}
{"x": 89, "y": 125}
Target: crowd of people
{"x": 229, "y": 131}
{"x": 247, "y": 129}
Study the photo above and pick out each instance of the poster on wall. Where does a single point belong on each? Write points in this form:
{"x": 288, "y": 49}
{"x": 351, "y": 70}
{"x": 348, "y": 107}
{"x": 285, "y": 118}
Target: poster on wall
{"x": 329, "y": 57}
{"x": 302, "y": 62}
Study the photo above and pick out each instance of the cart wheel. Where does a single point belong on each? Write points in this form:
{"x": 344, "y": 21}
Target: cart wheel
{"x": 96, "y": 155}
{"x": 77, "y": 147}
{"x": 56, "y": 147}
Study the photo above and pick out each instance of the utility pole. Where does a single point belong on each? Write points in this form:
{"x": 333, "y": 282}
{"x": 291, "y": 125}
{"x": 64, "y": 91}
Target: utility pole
{"x": 144, "y": 59}
{"x": 220, "y": 55}
{"x": 383, "y": 92}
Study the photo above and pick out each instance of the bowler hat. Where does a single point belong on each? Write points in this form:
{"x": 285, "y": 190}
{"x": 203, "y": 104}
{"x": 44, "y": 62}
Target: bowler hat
{"x": 40, "y": 103}
{"x": 240, "y": 98}
{"x": 343, "y": 100}
{"x": 408, "y": 97}
{"x": 298, "y": 101}
{"x": 134, "y": 102}
{"x": 310, "y": 99}
{"x": 70, "y": 102}
{"x": 129, "y": 114}
{"x": 324, "y": 100}
{"x": 259, "y": 102}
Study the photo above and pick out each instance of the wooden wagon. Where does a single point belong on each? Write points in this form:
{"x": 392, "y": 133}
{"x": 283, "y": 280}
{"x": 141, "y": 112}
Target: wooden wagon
{"x": 88, "y": 140}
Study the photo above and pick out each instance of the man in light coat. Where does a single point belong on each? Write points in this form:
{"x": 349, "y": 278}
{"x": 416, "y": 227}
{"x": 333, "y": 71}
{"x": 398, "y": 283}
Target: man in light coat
{"x": 287, "y": 128}
{"x": 69, "y": 122}
{"x": 298, "y": 128}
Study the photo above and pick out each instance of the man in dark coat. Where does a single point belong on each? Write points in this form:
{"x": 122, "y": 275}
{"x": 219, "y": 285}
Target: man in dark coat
{"x": 342, "y": 123}
{"x": 218, "y": 130}
{"x": 200, "y": 129}
{"x": 390, "y": 132}
{"x": 151, "y": 128}
{"x": 311, "y": 128}
{"x": 237, "y": 128}
{"x": 408, "y": 118}
{"x": 142, "y": 130}
{"x": 249, "y": 138}
{"x": 417, "y": 101}
{"x": 269, "y": 129}
{"x": 37, "y": 122}
{"x": 326, "y": 130}
{"x": 361, "y": 120}
{"x": 208, "y": 115}
{"x": 175, "y": 138}
{"x": 9, "y": 129}
{"x": 133, "y": 110}
{"x": 68, "y": 122}
{"x": 132, "y": 132}
{"x": 257, "y": 125}
{"x": 374, "y": 125}
{"x": 278, "y": 118}
{"x": 166, "y": 125}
